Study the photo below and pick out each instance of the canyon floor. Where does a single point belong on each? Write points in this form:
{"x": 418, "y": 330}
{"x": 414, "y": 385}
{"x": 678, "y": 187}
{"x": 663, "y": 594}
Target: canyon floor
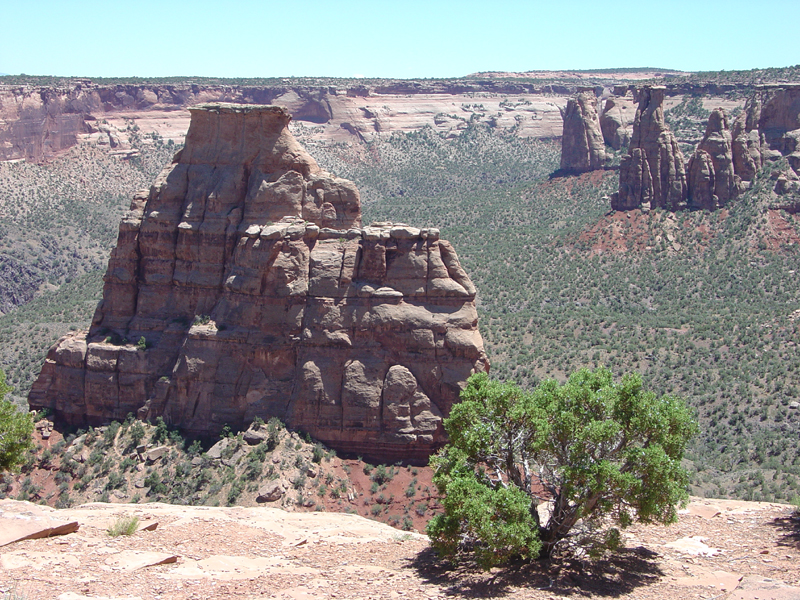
{"x": 720, "y": 549}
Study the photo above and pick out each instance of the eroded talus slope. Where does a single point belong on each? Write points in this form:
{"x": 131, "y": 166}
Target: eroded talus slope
{"x": 244, "y": 285}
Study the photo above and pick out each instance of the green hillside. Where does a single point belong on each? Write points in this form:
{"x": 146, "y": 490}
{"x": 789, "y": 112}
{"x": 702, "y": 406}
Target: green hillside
{"x": 703, "y": 304}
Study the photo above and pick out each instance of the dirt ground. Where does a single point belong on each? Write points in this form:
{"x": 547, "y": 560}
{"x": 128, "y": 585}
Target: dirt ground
{"x": 718, "y": 549}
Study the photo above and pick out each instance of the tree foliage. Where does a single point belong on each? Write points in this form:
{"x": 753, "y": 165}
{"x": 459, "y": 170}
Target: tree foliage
{"x": 591, "y": 447}
{"x": 16, "y": 428}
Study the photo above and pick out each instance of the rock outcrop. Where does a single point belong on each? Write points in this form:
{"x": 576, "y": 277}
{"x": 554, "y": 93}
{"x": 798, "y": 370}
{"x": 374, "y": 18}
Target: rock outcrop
{"x": 746, "y": 141}
{"x": 712, "y": 182}
{"x": 768, "y": 129}
{"x": 243, "y": 285}
{"x": 582, "y": 147}
{"x": 616, "y": 120}
{"x": 653, "y": 174}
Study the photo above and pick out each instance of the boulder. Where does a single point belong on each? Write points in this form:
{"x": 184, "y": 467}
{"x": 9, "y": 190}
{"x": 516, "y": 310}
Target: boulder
{"x": 270, "y": 492}
{"x": 255, "y": 435}
{"x": 215, "y": 452}
{"x": 156, "y": 454}
{"x": 247, "y": 270}
{"x": 582, "y": 147}
{"x": 653, "y": 174}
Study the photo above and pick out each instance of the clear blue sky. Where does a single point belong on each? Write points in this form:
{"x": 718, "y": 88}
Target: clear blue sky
{"x": 390, "y": 39}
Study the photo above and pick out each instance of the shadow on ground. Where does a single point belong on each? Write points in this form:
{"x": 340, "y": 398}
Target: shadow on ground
{"x": 789, "y": 528}
{"x": 612, "y": 576}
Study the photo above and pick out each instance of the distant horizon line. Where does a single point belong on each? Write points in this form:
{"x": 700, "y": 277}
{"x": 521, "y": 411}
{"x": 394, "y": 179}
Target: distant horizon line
{"x": 484, "y": 73}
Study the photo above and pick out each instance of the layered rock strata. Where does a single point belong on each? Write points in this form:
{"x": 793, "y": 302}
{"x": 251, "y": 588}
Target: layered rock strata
{"x": 243, "y": 285}
{"x": 712, "y": 182}
{"x": 582, "y": 147}
{"x": 653, "y": 174}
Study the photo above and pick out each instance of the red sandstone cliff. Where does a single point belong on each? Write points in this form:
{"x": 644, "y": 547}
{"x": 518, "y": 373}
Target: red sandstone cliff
{"x": 258, "y": 292}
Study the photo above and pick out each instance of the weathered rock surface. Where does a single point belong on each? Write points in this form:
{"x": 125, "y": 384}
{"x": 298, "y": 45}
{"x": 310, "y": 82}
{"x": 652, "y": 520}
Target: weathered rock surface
{"x": 241, "y": 553}
{"x": 616, "y": 121}
{"x": 653, "y": 174}
{"x": 582, "y": 147}
{"x": 712, "y": 182}
{"x": 768, "y": 129}
{"x": 258, "y": 292}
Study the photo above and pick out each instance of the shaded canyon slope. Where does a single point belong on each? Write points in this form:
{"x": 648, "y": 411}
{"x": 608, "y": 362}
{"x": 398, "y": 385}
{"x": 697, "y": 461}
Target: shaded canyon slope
{"x": 243, "y": 285}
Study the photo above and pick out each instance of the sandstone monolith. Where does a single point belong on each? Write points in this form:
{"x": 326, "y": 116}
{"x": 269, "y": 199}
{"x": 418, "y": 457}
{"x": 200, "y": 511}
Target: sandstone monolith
{"x": 582, "y": 147}
{"x": 653, "y": 174}
{"x": 243, "y": 285}
{"x": 711, "y": 176}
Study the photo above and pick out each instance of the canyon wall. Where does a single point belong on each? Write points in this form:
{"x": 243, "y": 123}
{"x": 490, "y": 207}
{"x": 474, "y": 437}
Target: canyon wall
{"x": 39, "y": 122}
{"x": 243, "y": 285}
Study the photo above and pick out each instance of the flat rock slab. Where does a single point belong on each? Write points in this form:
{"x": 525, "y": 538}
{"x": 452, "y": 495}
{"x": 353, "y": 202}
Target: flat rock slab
{"x": 707, "y": 511}
{"x": 24, "y": 521}
{"x": 693, "y": 545}
{"x": 720, "y": 581}
{"x": 37, "y": 561}
{"x": 75, "y": 596}
{"x": 761, "y": 588}
{"x": 227, "y": 568}
{"x": 147, "y": 526}
{"x": 131, "y": 560}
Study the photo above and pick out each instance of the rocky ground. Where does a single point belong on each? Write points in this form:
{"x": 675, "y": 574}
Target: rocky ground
{"x": 718, "y": 549}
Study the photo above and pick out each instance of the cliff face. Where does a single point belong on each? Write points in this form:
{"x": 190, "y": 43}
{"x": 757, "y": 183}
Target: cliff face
{"x": 769, "y": 128}
{"x": 37, "y": 123}
{"x": 257, "y": 292}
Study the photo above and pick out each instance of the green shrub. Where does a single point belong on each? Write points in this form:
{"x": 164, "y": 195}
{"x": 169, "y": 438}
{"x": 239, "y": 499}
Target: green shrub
{"x": 601, "y": 449}
{"x": 16, "y": 429}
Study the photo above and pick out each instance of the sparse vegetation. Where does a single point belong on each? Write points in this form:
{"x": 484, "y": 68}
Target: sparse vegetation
{"x": 124, "y": 525}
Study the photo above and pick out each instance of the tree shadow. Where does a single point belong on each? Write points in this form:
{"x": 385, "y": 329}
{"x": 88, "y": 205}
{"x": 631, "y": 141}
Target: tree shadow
{"x": 612, "y": 576}
{"x": 789, "y": 530}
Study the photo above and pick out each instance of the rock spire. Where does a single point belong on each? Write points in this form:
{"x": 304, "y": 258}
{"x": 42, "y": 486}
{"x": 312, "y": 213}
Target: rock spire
{"x": 653, "y": 174}
{"x": 582, "y": 147}
{"x": 711, "y": 175}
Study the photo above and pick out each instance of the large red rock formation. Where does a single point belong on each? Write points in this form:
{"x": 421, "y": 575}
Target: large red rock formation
{"x": 244, "y": 285}
{"x": 711, "y": 175}
{"x": 582, "y": 147}
{"x": 653, "y": 174}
